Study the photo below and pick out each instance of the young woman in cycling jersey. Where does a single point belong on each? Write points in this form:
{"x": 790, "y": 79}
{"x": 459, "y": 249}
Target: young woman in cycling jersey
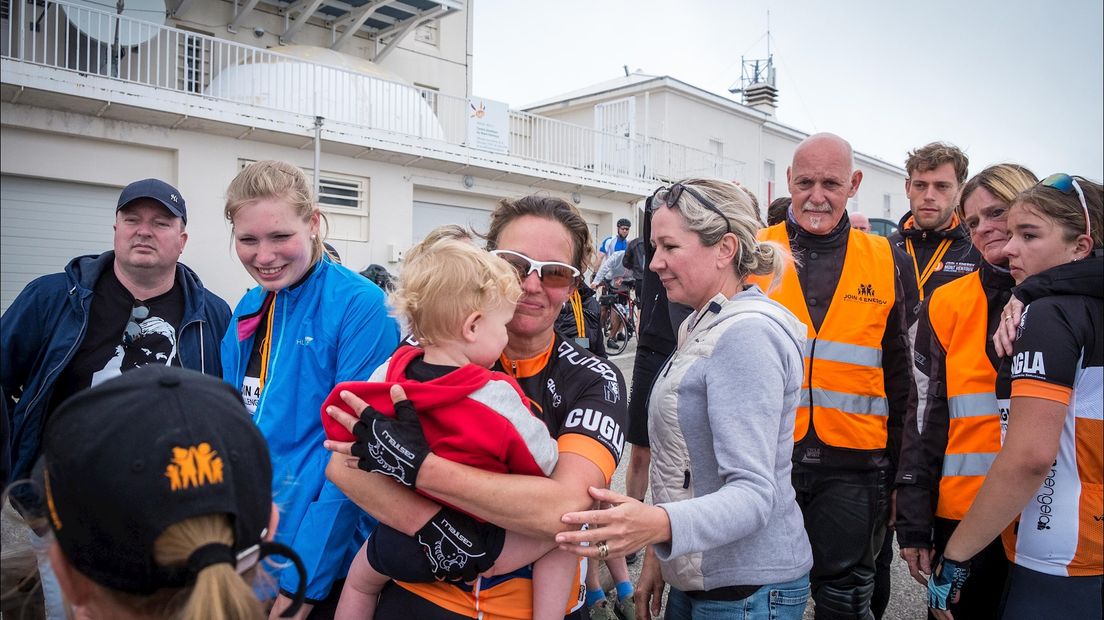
{"x": 1046, "y": 481}
{"x": 582, "y": 402}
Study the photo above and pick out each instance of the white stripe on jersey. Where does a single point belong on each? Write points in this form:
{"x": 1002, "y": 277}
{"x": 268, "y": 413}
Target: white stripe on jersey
{"x": 1049, "y": 525}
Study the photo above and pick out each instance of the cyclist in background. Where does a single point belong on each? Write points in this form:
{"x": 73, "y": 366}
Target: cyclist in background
{"x": 614, "y": 279}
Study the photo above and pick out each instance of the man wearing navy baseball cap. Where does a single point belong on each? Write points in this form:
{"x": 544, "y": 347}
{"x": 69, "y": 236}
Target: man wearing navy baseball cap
{"x": 104, "y": 315}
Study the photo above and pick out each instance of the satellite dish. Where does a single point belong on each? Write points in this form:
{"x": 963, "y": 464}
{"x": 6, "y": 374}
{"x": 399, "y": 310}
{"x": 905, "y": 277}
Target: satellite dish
{"x": 89, "y": 18}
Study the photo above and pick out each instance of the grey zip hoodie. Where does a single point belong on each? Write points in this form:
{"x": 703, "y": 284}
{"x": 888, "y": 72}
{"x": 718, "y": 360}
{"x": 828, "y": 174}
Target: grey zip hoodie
{"x": 721, "y": 423}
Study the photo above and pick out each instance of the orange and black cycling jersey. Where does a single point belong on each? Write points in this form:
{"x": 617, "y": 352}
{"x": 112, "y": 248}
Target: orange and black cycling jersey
{"x": 1059, "y": 357}
{"x": 579, "y": 396}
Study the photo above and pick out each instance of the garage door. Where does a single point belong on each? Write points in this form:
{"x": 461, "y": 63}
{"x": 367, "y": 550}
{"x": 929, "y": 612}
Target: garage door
{"x": 428, "y": 215}
{"x": 44, "y": 224}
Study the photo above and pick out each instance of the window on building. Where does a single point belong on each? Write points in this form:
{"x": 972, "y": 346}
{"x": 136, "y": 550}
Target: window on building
{"x": 194, "y": 63}
{"x": 337, "y": 193}
{"x": 887, "y": 206}
{"x": 342, "y": 194}
{"x": 428, "y": 32}
{"x": 768, "y": 182}
{"x": 429, "y": 93}
{"x": 716, "y": 147}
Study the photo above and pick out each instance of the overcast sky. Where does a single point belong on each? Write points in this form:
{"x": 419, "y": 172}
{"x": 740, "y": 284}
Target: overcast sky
{"x": 1012, "y": 80}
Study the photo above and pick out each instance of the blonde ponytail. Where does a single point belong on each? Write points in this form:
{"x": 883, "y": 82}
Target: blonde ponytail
{"x": 219, "y": 593}
{"x": 768, "y": 259}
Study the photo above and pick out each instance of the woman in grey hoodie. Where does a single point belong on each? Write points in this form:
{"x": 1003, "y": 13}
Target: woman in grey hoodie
{"x": 726, "y": 532}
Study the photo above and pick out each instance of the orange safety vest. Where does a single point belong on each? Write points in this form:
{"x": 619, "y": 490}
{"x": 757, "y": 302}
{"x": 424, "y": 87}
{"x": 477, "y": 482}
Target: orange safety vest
{"x": 957, "y": 312}
{"x": 844, "y": 388}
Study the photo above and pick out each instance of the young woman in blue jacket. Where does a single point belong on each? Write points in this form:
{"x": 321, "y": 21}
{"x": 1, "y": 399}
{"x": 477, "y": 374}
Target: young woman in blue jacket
{"x": 309, "y": 325}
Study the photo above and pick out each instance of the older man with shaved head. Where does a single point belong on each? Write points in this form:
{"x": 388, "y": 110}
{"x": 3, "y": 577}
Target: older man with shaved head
{"x": 859, "y": 221}
{"x": 847, "y": 288}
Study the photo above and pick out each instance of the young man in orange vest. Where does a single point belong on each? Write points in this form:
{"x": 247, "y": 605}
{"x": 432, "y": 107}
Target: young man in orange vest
{"x": 931, "y": 232}
{"x": 848, "y": 290}
{"x": 934, "y": 236}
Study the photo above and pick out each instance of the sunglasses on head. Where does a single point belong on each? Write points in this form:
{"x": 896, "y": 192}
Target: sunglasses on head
{"x": 133, "y": 332}
{"x": 551, "y": 273}
{"x": 1066, "y": 184}
{"x": 669, "y": 197}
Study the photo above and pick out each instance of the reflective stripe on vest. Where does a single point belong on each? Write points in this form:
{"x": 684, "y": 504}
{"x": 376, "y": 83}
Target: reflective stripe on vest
{"x": 843, "y": 396}
{"x": 958, "y": 313}
{"x": 968, "y": 464}
{"x": 858, "y": 355}
{"x": 850, "y": 403}
{"x": 973, "y": 405}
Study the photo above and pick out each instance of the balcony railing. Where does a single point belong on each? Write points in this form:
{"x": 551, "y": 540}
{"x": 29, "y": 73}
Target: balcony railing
{"x": 54, "y": 34}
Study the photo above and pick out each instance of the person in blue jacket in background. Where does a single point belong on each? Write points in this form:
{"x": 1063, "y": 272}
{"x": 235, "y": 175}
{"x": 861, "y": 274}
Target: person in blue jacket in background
{"x": 310, "y": 325}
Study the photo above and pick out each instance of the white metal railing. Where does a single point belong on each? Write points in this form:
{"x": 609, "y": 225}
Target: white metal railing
{"x": 53, "y": 33}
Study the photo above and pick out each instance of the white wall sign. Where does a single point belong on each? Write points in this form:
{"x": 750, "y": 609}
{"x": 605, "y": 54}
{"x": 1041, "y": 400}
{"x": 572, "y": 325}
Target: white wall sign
{"x": 488, "y": 125}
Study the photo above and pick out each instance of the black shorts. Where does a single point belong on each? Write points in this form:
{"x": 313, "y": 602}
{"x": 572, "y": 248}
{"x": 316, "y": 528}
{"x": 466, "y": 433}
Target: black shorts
{"x": 398, "y": 556}
{"x": 646, "y": 366}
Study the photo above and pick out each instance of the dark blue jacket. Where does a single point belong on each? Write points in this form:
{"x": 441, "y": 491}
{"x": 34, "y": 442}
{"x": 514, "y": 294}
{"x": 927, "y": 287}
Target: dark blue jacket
{"x": 45, "y": 326}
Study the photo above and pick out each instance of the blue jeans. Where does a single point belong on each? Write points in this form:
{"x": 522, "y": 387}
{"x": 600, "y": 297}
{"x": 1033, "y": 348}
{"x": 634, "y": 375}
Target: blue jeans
{"x": 780, "y": 601}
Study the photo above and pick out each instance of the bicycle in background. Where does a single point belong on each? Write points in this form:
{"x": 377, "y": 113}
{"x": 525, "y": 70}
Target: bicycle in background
{"x": 618, "y": 319}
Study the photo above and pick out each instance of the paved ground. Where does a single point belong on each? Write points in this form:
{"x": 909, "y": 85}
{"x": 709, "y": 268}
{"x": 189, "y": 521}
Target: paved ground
{"x": 908, "y": 600}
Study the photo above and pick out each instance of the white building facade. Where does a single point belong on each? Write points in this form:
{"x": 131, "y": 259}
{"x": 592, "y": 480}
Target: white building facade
{"x": 219, "y": 84}
{"x": 373, "y": 94}
{"x": 734, "y": 141}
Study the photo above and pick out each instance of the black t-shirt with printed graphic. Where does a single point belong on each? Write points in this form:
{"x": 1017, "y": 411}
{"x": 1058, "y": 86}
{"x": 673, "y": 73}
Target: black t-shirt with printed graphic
{"x": 103, "y": 355}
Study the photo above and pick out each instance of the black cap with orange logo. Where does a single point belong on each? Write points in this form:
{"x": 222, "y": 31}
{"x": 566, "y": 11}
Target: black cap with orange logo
{"x": 128, "y": 458}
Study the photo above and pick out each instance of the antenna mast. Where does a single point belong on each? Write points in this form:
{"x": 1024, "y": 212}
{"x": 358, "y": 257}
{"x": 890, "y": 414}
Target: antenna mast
{"x": 757, "y": 80}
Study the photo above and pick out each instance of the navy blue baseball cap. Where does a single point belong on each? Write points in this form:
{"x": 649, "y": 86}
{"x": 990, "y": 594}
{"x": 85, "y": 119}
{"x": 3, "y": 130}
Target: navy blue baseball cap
{"x": 154, "y": 189}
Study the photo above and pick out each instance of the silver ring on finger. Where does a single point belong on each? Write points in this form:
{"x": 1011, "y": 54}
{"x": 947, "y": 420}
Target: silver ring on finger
{"x": 603, "y": 550}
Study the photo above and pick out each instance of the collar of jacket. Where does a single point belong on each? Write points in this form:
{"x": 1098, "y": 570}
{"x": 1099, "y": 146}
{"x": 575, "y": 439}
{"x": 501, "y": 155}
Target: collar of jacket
{"x": 751, "y": 299}
{"x": 292, "y": 293}
{"x": 835, "y": 238}
{"x": 995, "y": 277}
{"x": 83, "y": 271}
{"x": 1082, "y": 277}
{"x": 908, "y": 230}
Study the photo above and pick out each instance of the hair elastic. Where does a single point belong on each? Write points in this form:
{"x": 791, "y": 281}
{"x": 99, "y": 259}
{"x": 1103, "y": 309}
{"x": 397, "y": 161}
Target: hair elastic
{"x": 219, "y": 553}
{"x": 209, "y": 555}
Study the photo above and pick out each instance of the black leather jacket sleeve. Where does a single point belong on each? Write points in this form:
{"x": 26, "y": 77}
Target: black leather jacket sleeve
{"x": 924, "y": 439}
{"x": 897, "y": 360}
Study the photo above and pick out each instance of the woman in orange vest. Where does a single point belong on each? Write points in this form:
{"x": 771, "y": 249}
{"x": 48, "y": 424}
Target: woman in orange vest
{"x": 1049, "y": 473}
{"x": 952, "y": 431}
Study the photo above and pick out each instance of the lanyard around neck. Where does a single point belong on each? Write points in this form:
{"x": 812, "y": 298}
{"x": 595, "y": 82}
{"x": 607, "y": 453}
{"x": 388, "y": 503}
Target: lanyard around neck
{"x": 266, "y": 345}
{"x": 933, "y": 263}
{"x": 577, "y": 310}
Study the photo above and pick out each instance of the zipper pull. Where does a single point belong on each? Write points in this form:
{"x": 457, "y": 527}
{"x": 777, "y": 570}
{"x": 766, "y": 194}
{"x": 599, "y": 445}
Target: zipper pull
{"x": 686, "y": 479}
